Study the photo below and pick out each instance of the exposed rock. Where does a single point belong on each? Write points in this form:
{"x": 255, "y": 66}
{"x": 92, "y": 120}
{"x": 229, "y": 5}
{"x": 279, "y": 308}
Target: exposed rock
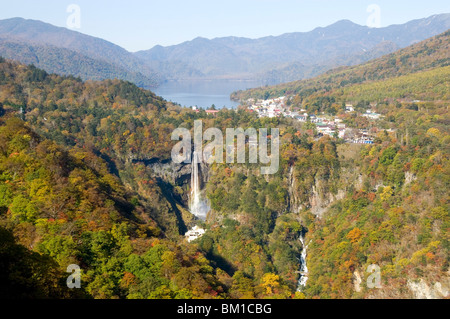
{"x": 421, "y": 290}
{"x": 409, "y": 178}
{"x": 359, "y": 183}
{"x": 294, "y": 203}
{"x": 173, "y": 173}
{"x": 320, "y": 201}
{"x": 357, "y": 280}
{"x": 170, "y": 171}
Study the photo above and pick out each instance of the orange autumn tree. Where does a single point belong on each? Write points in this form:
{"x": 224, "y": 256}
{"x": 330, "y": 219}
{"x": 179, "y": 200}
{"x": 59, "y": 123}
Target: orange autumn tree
{"x": 355, "y": 235}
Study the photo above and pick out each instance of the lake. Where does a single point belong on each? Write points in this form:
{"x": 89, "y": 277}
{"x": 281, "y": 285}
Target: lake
{"x": 203, "y": 93}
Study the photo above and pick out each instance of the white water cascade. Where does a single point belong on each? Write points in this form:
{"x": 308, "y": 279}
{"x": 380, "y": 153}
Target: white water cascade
{"x": 303, "y": 267}
{"x": 198, "y": 205}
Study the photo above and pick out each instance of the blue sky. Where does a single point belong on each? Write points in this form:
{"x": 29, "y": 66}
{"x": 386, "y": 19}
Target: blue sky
{"x": 139, "y": 25}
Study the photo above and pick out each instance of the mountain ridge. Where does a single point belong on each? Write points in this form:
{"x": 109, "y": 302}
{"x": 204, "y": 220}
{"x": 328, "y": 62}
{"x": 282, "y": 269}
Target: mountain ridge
{"x": 419, "y": 58}
{"x": 254, "y": 58}
{"x": 37, "y": 33}
{"x": 270, "y": 59}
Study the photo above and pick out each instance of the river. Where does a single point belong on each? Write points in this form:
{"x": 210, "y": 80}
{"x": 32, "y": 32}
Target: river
{"x": 303, "y": 267}
{"x": 203, "y": 93}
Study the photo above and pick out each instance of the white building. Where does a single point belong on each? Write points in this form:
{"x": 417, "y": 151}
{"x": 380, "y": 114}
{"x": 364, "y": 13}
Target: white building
{"x": 372, "y": 115}
{"x": 194, "y": 233}
{"x": 349, "y": 108}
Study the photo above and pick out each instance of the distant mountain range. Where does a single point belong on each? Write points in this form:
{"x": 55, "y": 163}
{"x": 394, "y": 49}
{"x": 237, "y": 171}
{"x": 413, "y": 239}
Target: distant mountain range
{"x": 290, "y": 56}
{"x": 405, "y": 74}
{"x": 273, "y": 59}
{"x": 63, "y": 51}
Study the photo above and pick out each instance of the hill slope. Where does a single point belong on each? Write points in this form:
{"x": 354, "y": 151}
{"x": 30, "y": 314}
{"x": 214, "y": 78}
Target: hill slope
{"x": 38, "y": 40}
{"x": 69, "y": 198}
{"x": 77, "y": 185}
{"x": 67, "y": 62}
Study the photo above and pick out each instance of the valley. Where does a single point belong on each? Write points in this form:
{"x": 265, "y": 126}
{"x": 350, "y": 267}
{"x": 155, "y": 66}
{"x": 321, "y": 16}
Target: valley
{"x": 88, "y": 178}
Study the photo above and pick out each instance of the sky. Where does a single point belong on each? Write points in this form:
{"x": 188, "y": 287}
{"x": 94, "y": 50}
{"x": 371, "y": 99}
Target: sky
{"x": 139, "y": 25}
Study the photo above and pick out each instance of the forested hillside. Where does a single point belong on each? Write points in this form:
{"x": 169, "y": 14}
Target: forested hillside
{"x": 395, "y": 213}
{"x": 395, "y": 217}
{"x": 64, "y": 205}
{"x": 76, "y": 189}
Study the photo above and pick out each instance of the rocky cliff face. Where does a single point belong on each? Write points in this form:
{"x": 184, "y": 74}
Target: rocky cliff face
{"x": 320, "y": 197}
{"x": 422, "y": 290}
{"x": 171, "y": 175}
{"x": 321, "y": 200}
{"x": 176, "y": 174}
{"x": 170, "y": 201}
{"x": 170, "y": 172}
{"x": 294, "y": 201}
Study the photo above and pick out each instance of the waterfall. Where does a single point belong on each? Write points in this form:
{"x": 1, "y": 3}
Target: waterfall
{"x": 303, "y": 267}
{"x": 197, "y": 204}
